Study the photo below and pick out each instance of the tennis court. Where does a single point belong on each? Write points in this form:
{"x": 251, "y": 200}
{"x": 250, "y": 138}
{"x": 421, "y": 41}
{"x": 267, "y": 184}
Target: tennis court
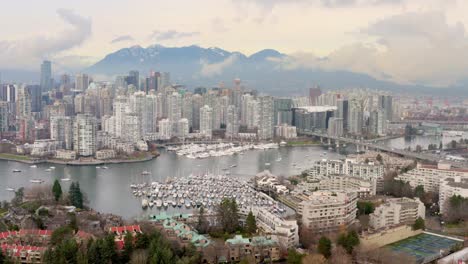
{"x": 424, "y": 247}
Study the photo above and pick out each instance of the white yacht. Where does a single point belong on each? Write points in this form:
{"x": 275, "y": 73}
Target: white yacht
{"x": 15, "y": 170}
{"x": 65, "y": 179}
{"x": 33, "y": 166}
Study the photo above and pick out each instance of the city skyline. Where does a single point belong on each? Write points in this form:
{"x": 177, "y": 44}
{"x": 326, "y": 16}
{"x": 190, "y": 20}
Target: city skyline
{"x": 371, "y": 37}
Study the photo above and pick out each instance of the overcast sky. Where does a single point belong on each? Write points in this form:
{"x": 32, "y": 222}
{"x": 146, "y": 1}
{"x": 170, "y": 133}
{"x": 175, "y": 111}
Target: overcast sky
{"x": 408, "y": 41}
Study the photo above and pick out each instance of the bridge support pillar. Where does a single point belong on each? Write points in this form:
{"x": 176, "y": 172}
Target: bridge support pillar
{"x": 337, "y": 144}
{"x": 321, "y": 140}
{"x": 358, "y": 148}
{"x": 329, "y": 141}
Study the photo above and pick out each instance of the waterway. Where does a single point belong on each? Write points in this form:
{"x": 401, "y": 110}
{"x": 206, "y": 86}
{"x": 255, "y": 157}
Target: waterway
{"x": 108, "y": 190}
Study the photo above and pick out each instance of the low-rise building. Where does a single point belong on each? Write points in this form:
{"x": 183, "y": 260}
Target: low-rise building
{"x": 65, "y": 154}
{"x": 285, "y": 131}
{"x": 326, "y": 211}
{"x": 44, "y": 147}
{"x": 284, "y": 231}
{"x": 105, "y": 154}
{"x": 430, "y": 176}
{"x": 449, "y": 187}
{"x": 261, "y": 248}
{"x": 362, "y": 187}
{"x": 269, "y": 182}
{"x": 397, "y": 211}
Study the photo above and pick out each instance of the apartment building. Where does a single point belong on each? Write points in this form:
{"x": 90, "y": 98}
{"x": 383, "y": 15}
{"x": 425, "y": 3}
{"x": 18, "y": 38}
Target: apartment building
{"x": 430, "y": 176}
{"x": 397, "y": 211}
{"x": 285, "y": 232}
{"x": 363, "y": 187}
{"x": 451, "y": 186}
{"x": 325, "y": 211}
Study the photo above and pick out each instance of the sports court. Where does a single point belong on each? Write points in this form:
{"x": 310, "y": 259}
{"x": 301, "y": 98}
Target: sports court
{"x": 424, "y": 247}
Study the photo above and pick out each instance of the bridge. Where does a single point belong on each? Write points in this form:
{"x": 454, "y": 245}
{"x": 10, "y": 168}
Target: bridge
{"x": 371, "y": 144}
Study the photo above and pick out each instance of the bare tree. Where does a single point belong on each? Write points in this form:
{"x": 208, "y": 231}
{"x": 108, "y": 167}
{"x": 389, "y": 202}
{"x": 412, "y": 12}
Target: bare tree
{"x": 339, "y": 256}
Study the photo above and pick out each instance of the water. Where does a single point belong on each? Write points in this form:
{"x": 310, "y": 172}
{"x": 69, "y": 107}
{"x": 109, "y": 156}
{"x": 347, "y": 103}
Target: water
{"x": 108, "y": 189}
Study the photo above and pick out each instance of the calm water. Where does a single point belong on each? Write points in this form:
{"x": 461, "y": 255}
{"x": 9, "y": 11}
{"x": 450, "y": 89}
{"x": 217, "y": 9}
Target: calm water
{"x": 108, "y": 189}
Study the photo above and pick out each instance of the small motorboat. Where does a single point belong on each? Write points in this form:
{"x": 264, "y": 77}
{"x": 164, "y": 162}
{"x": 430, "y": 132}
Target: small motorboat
{"x": 10, "y": 189}
{"x": 33, "y": 166}
{"x": 97, "y": 167}
{"x": 36, "y": 181}
{"x": 48, "y": 170}
{"x": 145, "y": 173}
{"x": 105, "y": 168}
{"x": 52, "y": 168}
{"x": 65, "y": 179}
{"x": 16, "y": 170}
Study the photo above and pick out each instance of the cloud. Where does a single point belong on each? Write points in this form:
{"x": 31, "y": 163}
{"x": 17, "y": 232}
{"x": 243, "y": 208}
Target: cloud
{"x": 171, "y": 35}
{"x": 28, "y": 52}
{"x": 417, "y": 48}
{"x": 124, "y": 38}
{"x": 218, "y": 25}
{"x": 214, "y": 69}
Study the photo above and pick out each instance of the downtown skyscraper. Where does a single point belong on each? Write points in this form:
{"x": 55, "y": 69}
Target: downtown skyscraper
{"x": 46, "y": 76}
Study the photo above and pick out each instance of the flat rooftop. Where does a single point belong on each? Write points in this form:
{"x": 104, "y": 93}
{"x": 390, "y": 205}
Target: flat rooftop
{"x": 424, "y": 247}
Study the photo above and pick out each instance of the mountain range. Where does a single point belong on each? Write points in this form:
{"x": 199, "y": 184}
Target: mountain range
{"x": 197, "y": 66}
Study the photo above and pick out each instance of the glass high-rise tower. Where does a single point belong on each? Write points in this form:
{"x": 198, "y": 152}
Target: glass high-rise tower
{"x": 46, "y": 76}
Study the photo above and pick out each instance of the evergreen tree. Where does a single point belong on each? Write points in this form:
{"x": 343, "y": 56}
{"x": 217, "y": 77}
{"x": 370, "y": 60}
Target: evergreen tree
{"x": 2, "y": 257}
{"x": 379, "y": 158}
{"x": 72, "y": 194}
{"x": 250, "y": 224}
{"x": 79, "y": 196}
{"x": 348, "y": 241}
{"x": 202, "y": 223}
{"x": 228, "y": 215}
{"x": 57, "y": 190}
{"x": 324, "y": 246}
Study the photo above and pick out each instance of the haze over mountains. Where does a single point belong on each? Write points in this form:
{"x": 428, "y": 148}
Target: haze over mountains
{"x": 265, "y": 70}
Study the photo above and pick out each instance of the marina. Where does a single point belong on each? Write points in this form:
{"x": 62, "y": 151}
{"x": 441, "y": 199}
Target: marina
{"x": 204, "y": 190}
{"x": 203, "y": 151}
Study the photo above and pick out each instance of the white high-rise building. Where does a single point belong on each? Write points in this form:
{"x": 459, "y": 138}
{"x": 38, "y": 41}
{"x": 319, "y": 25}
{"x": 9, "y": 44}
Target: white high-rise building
{"x": 182, "y": 128}
{"x": 132, "y": 130}
{"x": 252, "y": 114}
{"x": 232, "y": 122}
{"x": 61, "y": 129}
{"x": 82, "y": 82}
{"x": 245, "y": 101}
{"x": 174, "y": 109}
{"x": 266, "y": 118}
{"x": 206, "y": 121}
{"x": 187, "y": 108}
{"x": 3, "y": 116}
{"x": 23, "y": 102}
{"x": 165, "y": 129}
{"x": 120, "y": 111}
{"x": 84, "y": 135}
{"x": 355, "y": 117}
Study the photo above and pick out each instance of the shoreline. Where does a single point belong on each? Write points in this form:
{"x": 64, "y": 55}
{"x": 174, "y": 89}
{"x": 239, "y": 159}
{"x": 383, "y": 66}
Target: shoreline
{"x": 80, "y": 163}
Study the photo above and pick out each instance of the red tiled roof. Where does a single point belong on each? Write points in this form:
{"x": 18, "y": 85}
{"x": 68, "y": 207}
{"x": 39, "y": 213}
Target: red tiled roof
{"x": 121, "y": 229}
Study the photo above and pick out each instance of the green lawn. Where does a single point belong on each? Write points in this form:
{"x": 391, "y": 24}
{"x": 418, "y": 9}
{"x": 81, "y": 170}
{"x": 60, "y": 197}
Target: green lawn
{"x": 302, "y": 143}
{"x": 13, "y": 156}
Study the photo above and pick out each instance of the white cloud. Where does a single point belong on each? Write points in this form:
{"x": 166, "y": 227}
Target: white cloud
{"x": 214, "y": 69}
{"x": 124, "y": 38}
{"x": 171, "y": 35}
{"x": 28, "y": 52}
{"x": 419, "y": 48}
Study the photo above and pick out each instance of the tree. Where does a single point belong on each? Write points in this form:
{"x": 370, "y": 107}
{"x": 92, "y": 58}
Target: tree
{"x": 456, "y": 209}
{"x": 441, "y": 146}
{"x": 75, "y": 195}
{"x": 419, "y": 224}
{"x": 57, "y": 190}
{"x": 365, "y": 207}
{"x": 324, "y": 246}
{"x": 418, "y": 148}
{"x": 228, "y": 216}
{"x": 348, "y": 241}
{"x": 128, "y": 248}
{"x": 340, "y": 256}
{"x": 2, "y": 257}
{"x": 379, "y": 158}
{"x": 294, "y": 257}
{"x": 314, "y": 258}
{"x": 419, "y": 191}
{"x": 202, "y": 223}
{"x": 250, "y": 224}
